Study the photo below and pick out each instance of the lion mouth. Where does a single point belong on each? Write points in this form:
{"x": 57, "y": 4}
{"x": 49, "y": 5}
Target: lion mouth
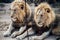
{"x": 40, "y": 24}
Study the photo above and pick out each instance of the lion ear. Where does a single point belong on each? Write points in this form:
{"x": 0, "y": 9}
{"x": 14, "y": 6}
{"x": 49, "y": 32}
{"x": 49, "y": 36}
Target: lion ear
{"x": 47, "y": 10}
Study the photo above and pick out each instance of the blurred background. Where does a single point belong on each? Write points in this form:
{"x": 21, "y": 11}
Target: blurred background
{"x": 5, "y": 15}
{"x": 49, "y": 1}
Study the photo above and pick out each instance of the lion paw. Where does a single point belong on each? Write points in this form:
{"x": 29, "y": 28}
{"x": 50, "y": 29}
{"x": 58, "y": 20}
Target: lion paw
{"x": 7, "y": 34}
{"x": 19, "y": 37}
{"x": 14, "y": 35}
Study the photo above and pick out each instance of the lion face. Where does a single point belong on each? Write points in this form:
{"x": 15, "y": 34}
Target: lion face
{"x": 44, "y": 15}
{"x": 19, "y": 11}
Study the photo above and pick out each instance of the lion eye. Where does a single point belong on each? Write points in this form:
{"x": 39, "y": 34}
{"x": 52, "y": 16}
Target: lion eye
{"x": 47, "y": 10}
{"x": 22, "y": 7}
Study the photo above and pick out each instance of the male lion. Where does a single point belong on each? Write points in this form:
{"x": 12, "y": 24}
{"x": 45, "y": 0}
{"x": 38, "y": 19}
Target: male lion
{"x": 20, "y": 16}
{"x": 44, "y": 18}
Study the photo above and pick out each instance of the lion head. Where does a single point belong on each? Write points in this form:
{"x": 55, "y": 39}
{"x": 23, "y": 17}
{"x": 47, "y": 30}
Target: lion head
{"x": 44, "y": 15}
{"x": 20, "y": 10}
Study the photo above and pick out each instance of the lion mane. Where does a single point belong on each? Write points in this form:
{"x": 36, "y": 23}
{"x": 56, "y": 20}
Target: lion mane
{"x": 44, "y": 15}
{"x": 20, "y": 11}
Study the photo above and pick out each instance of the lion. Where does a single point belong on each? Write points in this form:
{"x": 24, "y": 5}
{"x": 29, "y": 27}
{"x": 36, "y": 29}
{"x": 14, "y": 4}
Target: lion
{"x": 20, "y": 16}
{"x": 44, "y": 18}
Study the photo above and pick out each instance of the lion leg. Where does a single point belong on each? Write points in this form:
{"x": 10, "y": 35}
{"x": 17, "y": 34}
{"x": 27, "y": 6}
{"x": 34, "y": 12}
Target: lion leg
{"x": 41, "y": 37}
{"x": 9, "y": 30}
{"x": 18, "y": 32}
{"x": 30, "y": 32}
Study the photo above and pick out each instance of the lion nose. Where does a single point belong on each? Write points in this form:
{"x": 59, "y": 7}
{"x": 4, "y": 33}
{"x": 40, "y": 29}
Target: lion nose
{"x": 41, "y": 15}
{"x": 11, "y": 16}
